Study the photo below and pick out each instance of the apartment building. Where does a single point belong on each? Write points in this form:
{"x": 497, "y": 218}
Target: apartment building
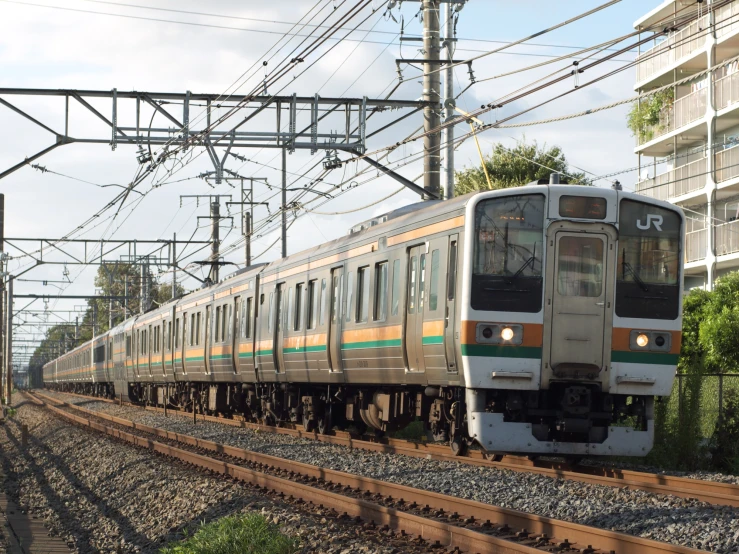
{"x": 688, "y": 134}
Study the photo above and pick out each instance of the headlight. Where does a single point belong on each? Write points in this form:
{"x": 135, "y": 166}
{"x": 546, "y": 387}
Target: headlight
{"x": 652, "y": 341}
{"x": 499, "y": 333}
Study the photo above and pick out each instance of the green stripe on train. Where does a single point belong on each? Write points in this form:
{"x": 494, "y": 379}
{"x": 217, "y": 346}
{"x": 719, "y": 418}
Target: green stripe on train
{"x": 370, "y": 344}
{"x": 264, "y": 352}
{"x": 659, "y": 358}
{"x": 246, "y": 355}
{"x": 295, "y": 350}
{"x": 433, "y": 340}
{"x": 220, "y": 356}
{"x": 497, "y": 351}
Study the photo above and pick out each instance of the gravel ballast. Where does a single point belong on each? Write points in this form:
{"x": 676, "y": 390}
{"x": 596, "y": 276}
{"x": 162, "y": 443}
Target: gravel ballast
{"x": 103, "y": 495}
{"x": 671, "y": 519}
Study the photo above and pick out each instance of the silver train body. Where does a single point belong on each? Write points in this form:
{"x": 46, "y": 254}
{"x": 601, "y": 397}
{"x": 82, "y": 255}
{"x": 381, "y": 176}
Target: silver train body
{"x": 542, "y": 320}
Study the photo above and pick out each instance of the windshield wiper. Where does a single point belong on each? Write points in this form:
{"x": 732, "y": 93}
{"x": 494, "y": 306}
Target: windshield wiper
{"x": 521, "y": 270}
{"x": 627, "y": 266}
{"x": 523, "y": 267}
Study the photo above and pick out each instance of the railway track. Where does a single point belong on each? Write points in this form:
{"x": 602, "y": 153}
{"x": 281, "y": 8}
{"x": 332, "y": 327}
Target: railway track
{"x": 440, "y": 520}
{"x": 722, "y": 494}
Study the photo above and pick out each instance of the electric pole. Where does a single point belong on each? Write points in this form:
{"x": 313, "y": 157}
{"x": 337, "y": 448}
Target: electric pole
{"x": 431, "y": 95}
{"x": 215, "y": 223}
{"x": 9, "y": 343}
{"x": 247, "y": 199}
{"x": 174, "y": 266}
{"x": 2, "y": 281}
{"x": 215, "y": 239}
{"x": 449, "y": 101}
{"x": 283, "y": 205}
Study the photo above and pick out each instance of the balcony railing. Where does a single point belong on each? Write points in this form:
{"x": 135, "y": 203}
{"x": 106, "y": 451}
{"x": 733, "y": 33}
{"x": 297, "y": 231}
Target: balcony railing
{"x": 727, "y": 238}
{"x": 727, "y": 164}
{"x": 683, "y": 111}
{"x": 676, "y": 182}
{"x": 726, "y": 91}
{"x": 675, "y": 47}
{"x": 727, "y": 20}
{"x": 696, "y": 243}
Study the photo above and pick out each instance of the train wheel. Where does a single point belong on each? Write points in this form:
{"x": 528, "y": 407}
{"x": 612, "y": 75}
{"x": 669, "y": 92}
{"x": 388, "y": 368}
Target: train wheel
{"x": 494, "y": 457}
{"x": 458, "y": 445}
{"x": 307, "y": 424}
{"x": 324, "y": 423}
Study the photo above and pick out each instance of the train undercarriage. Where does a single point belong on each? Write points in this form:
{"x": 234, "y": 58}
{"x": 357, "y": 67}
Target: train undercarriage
{"x": 568, "y": 413}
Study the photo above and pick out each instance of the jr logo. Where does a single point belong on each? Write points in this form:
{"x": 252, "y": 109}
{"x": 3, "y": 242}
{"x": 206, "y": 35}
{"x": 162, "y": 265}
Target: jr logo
{"x": 652, "y": 219}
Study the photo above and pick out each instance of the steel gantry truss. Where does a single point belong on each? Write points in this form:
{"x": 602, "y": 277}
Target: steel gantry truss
{"x": 189, "y": 117}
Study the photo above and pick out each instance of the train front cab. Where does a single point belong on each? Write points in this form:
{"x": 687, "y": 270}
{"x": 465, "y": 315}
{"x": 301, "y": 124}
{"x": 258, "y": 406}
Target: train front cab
{"x": 573, "y": 324}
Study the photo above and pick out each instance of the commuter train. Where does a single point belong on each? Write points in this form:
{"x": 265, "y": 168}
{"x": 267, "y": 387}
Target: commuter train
{"x": 542, "y": 319}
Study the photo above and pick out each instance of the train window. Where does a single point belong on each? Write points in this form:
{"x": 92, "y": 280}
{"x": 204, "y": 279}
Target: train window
{"x": 323, "y": 301}
{"x": 169, "y": 335}
{"x": 412, "y": 287}
{"x": 249, "y": 317}
{"x": 177, "y": 333}
{"x": 363, "y": 293}
{"x": 271, "y": 309}
{"x": 299, "y": 294}
{"x": 229, "y": 321}
{"x": 336, "y": 297}
{"x": 290, "y": 307}
{"x": 192, "y": 330}
{"x": 648, "y": 261}
{"x": 349, "y": 291}
{"x": 452, "y": 274}
{"x": 197, "y": 329}
{"x": 243, "y": 323}
{"x": 217, "y": 326}
{"x": 580, "y": 266}
{"x": 396, "y": 288}
{"x": 128, "y": 346}
{"x": 507, "y": 254}
{"x": 434, "y": 282}
{"x": 312, "y": 303}
{"x": 422, "y": 281}
{"x": 380, "y": 312}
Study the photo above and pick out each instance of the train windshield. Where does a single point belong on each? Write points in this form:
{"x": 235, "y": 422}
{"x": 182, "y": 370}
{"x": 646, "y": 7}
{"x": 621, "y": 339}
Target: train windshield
{"x": 508, "y": 251}
{"x": 648, "y": 261}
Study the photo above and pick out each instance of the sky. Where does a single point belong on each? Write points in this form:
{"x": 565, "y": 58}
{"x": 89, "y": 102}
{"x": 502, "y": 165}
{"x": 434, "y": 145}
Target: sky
{"x": 101, "y": 45}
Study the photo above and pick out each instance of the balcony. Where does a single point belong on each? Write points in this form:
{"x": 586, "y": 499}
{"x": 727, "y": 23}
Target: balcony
{"x": 727, "y": 164}
{"x": 682, "y": 112}
{"x": 676, "y": 182}
{"x": 696, "y": 245}
{"x": 727, "y": 238}
{"x": 726, "y": 91}
{"x": 726, "y": 19}
{"x": 672, "y": 50}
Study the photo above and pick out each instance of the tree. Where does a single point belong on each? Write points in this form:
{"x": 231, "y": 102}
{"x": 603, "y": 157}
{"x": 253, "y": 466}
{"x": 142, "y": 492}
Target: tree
{"x": 514, "y": 167}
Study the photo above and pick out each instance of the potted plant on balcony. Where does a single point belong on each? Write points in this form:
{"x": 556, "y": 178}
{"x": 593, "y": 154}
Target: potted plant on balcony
{"x": 644, "y": 114}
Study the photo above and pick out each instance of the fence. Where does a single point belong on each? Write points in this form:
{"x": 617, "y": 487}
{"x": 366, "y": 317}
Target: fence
{"x": 713, "y": 391}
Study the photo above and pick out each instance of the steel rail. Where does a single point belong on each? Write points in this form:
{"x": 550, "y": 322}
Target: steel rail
{"x": 712, "y": 492}
{"x": 543, "y": 531}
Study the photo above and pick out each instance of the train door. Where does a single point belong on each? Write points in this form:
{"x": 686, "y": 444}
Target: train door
{"x": 137, "y": 351}
{"x": 183, "y": 343}
{"x": 450, "y": 320}
{"x": 278, "y": 328}
{"x": 236, "y": 333}
{"x": 334, "y": 322}
{"x": 207, "y": 341}
{"x": 414, "y": 308}
{"x": 578, "y": 302}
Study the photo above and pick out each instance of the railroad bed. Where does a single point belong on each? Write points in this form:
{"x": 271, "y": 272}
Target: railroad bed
{"x": 680, "y": 521}
{"x": 102, "y": 495}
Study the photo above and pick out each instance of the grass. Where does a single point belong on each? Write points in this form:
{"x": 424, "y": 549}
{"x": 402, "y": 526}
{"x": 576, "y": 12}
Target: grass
{"x": 10, "y": 412}
{"x": 413, "y": 431}
{"x": 239, "y": 534}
